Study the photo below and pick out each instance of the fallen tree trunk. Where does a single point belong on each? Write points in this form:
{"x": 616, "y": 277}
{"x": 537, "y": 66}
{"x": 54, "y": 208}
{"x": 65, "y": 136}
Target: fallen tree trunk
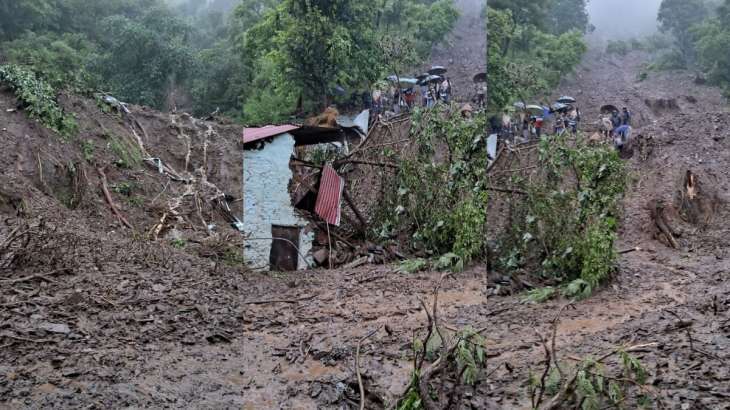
{"x": 109, "y": 201}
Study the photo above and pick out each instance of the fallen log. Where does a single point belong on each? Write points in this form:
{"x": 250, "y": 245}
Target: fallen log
{"x": 110, "y": 202}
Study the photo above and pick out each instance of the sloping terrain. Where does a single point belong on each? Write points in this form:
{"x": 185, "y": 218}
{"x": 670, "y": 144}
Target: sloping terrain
{"x": 96, "y": 315}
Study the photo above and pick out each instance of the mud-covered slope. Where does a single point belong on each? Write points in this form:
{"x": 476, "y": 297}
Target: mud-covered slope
{"x": 120, "y": 320}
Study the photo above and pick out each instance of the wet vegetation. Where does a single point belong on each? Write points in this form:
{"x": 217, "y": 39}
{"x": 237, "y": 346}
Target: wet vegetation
{"x": 273, "y": 57}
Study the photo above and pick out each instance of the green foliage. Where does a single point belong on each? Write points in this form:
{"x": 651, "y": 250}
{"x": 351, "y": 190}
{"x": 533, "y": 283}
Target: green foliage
{"x": 677, "y": 17}
{"x": 523, "y": 60}
{"x": 128, "y": 155}
{"x": 566, "y": 15}
{"x": 87, "y": 150}
{"x": 711, "y": 39}
{"x": 123, "y": 188}
{"x": 567, "y": 227}
{"x": 39, "y": 99}
{"x": 438, "y": 199}
{"x": 619, "y": 47}
{"x": 145, "y": 60}
{"x": 178, "y": 243}
{"x": 412, "y": 265}
{"x": 539, "y": 295}
{"x": 60, "y": 59}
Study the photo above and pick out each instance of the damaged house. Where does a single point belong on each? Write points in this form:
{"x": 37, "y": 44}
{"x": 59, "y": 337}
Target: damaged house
{"x": 288, "y": 200}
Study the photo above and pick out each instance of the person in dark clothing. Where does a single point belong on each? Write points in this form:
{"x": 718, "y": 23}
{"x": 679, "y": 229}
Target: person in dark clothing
{"x": 625, "y": 117}
{"x": 496, "y": 124}
{"x": 615, "y": 120}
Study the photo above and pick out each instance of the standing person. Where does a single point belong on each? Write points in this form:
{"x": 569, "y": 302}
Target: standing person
{"x": 410, "y": 97}
{"x": 625, "y": 116}
{"x": 445, "y": 90}
{"x": 615, "y": 120}
{"x": 538, "y": 126}
{"x": 424, "y": 95}
{"x": 377, "y": 101}
{"x": 559, "y": 126}
{"x": 506, "y": 123}
{"x": 480, "y": 92}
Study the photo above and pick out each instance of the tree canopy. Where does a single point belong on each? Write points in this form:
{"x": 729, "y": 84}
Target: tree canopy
{"x": 259, "y": 60}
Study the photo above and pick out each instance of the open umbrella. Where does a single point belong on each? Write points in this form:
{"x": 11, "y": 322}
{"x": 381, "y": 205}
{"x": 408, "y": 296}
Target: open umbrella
{"x": 437, "y": 70}
{"x": 559, "y": 107}
{"x": 566, "y": 100}
{"x": 608, "y": 108}
{"x": 534, "y": 109}
{"x": 431, "y": 79}
{"x": 519, "y": 105}
{"x": 480, "y": 78}
{"x": 408, "y": 82}
{"x": 422, "y": 76}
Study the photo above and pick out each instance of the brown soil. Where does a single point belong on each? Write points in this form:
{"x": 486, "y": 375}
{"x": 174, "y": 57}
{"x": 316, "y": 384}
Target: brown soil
{"x": 119, "y": 320}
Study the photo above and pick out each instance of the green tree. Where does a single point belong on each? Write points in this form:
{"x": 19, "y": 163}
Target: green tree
{"x": 566, "y": 15}
{"x": 19, "y": 16}
{"x": 61, "y": 59}
{"x": 677, "y": 17}
{"x": 145, "y": 60}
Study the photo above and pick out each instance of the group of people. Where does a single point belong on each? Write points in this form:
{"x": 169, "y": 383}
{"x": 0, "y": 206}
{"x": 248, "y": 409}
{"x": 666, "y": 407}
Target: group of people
{"x": 398, "y": 99}
{"x": 528, "y": 124}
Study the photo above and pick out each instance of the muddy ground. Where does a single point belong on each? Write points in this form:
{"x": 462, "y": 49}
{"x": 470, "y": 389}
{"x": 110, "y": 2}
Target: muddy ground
{"x": 93, "y": 315}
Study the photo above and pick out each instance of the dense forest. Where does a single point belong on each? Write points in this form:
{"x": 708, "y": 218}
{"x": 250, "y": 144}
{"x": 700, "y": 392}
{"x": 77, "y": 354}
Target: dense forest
{"x": 531, "y": 46}
{"x": 255, "y": 60}
{"x": 701, "y": 33}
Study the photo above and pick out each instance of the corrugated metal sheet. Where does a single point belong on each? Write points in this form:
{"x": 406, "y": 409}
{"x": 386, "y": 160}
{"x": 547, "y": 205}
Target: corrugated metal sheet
{"x": 255, "y": 134}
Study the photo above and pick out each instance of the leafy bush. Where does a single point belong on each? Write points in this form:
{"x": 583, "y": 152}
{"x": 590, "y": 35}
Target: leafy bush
{"x": 128, "y": 155}
{"x": 566, "y": 227}
{"x": 59, "y": 59}
{"x": 39, "y": 99}
{"x": 439, "y": 197}
{"x": 619, "y": 47}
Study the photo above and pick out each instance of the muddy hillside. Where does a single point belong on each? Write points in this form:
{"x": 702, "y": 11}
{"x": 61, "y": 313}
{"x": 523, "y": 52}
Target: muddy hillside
{"x": 95, "y": 314}
{"x": 463, "y": 51}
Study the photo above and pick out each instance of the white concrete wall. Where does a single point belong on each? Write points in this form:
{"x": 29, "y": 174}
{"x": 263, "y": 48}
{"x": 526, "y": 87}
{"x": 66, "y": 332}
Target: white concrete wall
{"x": 266, "y": 201}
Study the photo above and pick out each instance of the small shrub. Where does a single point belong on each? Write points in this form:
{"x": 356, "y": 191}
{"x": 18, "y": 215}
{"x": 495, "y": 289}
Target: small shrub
{"x": 128, "y": 156}
{"x": 87, "y": 150}
{"x": 39, "y": 99}
{"x": 178, "y": 243}
{"x": 123, "y": 188}
{"x": 619, "y": 47}
{"x": 412, "y": 265}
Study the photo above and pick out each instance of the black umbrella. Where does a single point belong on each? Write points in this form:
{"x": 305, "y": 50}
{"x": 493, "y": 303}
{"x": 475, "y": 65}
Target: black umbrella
{"x": 566, "y": 100}
{"x": 608, "y": 108}
{"x": 422, "y": 76}
{"x": 437, "y": 70}
{"x": 480, "y": 78}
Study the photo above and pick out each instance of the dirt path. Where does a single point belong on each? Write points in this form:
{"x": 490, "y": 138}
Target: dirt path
{"x": 176, "y": 334}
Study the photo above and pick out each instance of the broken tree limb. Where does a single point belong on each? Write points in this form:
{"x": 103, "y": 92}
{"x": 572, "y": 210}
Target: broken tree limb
{"x": 665, "y": 233}
{"x": 352, "y": 205}
{"x": 44, "y": 276}
{"x": 110, "y": 202}
{"x": 372, "y": 163}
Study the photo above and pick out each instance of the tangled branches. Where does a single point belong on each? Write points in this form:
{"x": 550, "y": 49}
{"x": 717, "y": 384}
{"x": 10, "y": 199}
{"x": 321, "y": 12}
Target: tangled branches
{"x": 591, "y": 384}
{"x": 460, "y": 359}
